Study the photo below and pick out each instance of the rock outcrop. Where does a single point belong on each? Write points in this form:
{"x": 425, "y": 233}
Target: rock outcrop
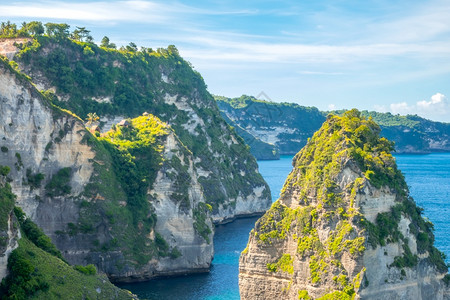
{"x": 32, "y": 268}
{"x": 129, "y": 203}
{"x": 85, "y": 78}
{"x": 344, "y": 226}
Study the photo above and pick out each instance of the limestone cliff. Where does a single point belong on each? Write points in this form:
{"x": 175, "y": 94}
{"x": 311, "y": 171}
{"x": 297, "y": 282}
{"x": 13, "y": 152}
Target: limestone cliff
{"x": 117, "y": 201}
{"x": 32, "y": 268}
{"x": 344, "y": 226}
{"x": 289, "y": 125}
{"x": 85, "y": 78}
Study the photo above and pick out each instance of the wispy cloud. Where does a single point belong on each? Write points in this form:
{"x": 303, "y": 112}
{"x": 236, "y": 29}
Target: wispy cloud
{"x": 128, "y": 10}
{"x": 369, "y": 47}
{"x": 94, "y": 11}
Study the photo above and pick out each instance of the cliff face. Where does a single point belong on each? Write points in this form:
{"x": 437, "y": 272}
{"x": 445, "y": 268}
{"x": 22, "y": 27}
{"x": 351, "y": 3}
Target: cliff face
{"x": 344, "y": 226}
{"x": 115, "y": 84}
{"x": 107, "y": 201}
{"x": 9, "y": 231}
{"x": 288, "y": 126}
{"x": 30, "y": 265}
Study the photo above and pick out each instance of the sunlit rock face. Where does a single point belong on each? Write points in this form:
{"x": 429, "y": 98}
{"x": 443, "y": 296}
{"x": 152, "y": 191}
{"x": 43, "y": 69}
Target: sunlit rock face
{"x": 344, "y": 226}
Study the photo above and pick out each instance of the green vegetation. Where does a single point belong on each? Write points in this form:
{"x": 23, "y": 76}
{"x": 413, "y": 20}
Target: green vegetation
{"x": 37, "y": 236}
{"x": 34, "y": 180}
{"x": 340, "y": 138}
{"x": 87, "y": 270}
{"x": 36, "y": 274}
{"x": 136, "y": 153}
{"x": 245, "y": 101}
{"x": 125, "y": 167}
{"x": 385, "y": 230}
{"x": 284, "y": 264}
{"x": 59, "y": 184}
{"x": 303, "y": 295}
{"x": 4, "y": 149}
{"x": 408, "y": 260}
{"x": 340, "y": 240}
{"x": 348, "y": 141}
{"x": 20, "y": 283}
{"x": 200, "y": 225}
{"x": 276, "y": 224}
{"x": 336, "y": 295}
{"x": 138, "y": 80}
{"x": 19, "y": 163}
{"x": 37, "y": 269}
{"x": 6, "y": 200}
{"x": 446, "y": 279}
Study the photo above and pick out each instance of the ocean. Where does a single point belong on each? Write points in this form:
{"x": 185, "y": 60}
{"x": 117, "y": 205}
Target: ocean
{"x": 428, "y": 177}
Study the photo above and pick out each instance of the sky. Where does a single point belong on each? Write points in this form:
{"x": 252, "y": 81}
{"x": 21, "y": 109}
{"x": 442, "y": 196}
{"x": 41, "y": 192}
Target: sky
{"x": 375, "y": 54}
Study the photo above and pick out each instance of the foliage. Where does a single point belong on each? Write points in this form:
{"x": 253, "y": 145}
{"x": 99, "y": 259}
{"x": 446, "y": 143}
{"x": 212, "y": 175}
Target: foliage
{"x": 6, "y": 198}
{"x": 446, "y": 279}
{"x": 105, "y": 43}
{"x": 37, "y": 236}
{"x": 407, "y": 260}
{"x": 57, "y": 30}
{"x": 279, "y": 220}
{"x": 87, "y": 270}
{"x": 81, "y": 34}
{"x": 23, "y": 280}
{"x": 284, "y": 264}
{"x": 59, "y": 184}
{"x": 303, "y": 295}
{"x": 126, "y": 163}
{"x": 336, "y": 295}
{"x": 34, "y": 180}
{"x": 131, "y": 78}
{"x": 350, "y": 141}
{"x": 136, "y": 153}
{"x": 36, "y": 274}
{"x": 200, "y": 217}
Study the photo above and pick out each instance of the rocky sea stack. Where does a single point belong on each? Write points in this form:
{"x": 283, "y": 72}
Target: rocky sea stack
{"x": 344, "y": 227}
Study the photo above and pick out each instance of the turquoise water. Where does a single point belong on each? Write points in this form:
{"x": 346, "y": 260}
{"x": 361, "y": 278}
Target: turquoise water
{"x": 428, "y": 177}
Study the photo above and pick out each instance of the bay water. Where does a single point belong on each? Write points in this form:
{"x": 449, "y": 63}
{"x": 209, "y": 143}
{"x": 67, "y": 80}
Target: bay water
{"x": 428, "y": 177}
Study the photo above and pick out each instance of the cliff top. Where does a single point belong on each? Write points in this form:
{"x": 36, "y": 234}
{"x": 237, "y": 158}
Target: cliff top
{"x": 347, "y": 140}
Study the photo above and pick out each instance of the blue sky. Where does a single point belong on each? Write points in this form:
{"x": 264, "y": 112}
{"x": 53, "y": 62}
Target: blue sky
{"x": 376, "y": 55}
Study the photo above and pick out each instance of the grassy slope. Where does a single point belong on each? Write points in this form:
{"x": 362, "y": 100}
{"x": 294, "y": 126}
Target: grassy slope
{"x": 64, "y": 281}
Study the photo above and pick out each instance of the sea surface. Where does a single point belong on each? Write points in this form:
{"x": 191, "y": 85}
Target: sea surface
{"x": 428, "y": 177}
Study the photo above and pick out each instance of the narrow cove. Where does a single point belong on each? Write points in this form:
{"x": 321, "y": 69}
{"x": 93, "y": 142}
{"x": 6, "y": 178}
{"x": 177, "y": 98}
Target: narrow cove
{"x": 428, "y": 177}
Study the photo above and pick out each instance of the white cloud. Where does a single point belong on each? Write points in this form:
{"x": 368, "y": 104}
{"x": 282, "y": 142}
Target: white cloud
{"x": 437, "y": 108}
{"x": 331, "y": 107}
{"x": 401, "y": 108}
{"x": 438, "y": 103}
